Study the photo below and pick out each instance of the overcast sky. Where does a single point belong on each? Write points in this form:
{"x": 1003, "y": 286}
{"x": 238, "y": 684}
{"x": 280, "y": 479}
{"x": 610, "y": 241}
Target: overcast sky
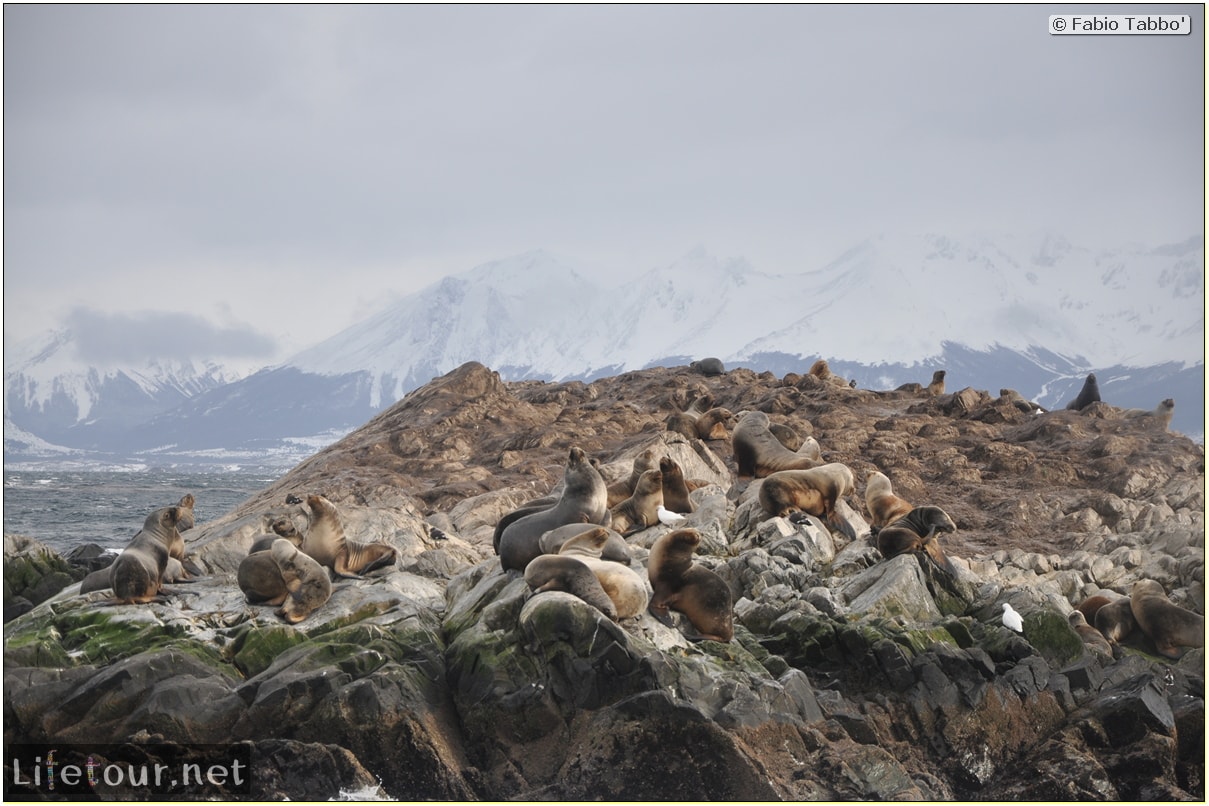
{"x": 264, "y": 176}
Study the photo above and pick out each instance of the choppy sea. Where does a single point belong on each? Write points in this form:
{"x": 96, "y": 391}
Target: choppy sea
{"x": 65, "y": 509}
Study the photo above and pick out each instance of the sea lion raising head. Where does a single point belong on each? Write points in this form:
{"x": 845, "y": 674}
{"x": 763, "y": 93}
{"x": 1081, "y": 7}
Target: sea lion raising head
{"x": 689, "y": 588}
{"x": 758, "y": 453}
{"x": 137, "y": 575}
{"x": 326, "y": 544}
{"x": 1090, "y": 393}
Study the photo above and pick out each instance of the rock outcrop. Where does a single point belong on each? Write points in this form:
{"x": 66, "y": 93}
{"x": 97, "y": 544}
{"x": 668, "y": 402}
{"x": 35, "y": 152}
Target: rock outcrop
{"x": 850, "y": 677}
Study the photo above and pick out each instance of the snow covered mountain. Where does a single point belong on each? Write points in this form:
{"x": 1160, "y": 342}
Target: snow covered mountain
{"x": 1034, "y": 314}
{"x": 55, "y": 401}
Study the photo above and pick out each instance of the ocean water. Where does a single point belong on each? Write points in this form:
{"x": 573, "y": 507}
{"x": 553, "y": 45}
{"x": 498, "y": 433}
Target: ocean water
{"x": 65, "y": 509}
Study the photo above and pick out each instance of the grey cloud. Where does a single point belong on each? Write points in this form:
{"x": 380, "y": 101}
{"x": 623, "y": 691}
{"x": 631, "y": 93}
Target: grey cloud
{"x": 105, "y": 337}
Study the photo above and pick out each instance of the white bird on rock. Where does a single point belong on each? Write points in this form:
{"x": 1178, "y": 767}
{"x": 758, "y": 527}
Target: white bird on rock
{"x": 669, "y": 518}
{"x": 1011, "y": 619}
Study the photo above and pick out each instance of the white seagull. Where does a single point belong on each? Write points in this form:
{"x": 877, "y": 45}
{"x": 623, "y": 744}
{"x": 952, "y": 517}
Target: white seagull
{"x": 1011, "y": 619}
{"x": 669, "y": 518}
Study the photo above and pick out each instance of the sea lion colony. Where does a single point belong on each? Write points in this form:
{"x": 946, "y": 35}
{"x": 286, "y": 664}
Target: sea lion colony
{"x": 576, "y": 541}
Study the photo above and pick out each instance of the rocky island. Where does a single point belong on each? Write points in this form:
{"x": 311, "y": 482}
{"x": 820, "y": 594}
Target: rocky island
{"x": 849, "y": 676}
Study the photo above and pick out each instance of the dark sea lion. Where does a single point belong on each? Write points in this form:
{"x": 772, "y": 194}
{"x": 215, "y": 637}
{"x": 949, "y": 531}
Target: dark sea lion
{"x": 937, "y": 386}
{"x": 1090, "y": 393}
{"x": 815, "y": 490}
{"x": 788, "y": 437}
{"x": 620, "y": 583}
{"x": 1115, "y": 619}
{"x": 684, "y": 586}
{"x": 758, "y": 453}
{"x": 584, "y": 500}
{"x": 615, "y": 548}
{"x": 137, "y": 575}
{"x": 884, "y": 506}
{"x": 326, "y": 544}
{"x": 708, "y": 366}
{"x": 641, "y": 509}
{"x": 554, "y": 572}
{"x": 174, "y": 571}
{"x": 675, "y": 487}
{"x": 282, "y": 527}
{"x": 1168, "y": 625}
{"x": 713, "y": 424}
{"x": 528, "y": 508}
{"x": 306, "y": 581}
{"x": 621, "y": 490}
{"x": 1092, "y": 638}
{"x": 1017, "y": 400}
{"x": 916, "y": 531}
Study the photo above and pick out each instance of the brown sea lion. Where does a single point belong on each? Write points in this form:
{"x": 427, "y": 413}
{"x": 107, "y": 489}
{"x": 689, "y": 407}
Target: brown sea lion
{"x": 788, "y": 437}
{"x": 884, "y": 506}
{"x": 1161, "y": 414}
{"x": 326, "y": 544}
{"x": 174, "y": 571}
{"x": 1115, "y": 619}
{"x": 584, "y": 500}
{"x": 282, "y": 527}
{"x": 615, "y": 548}
{"x": 624, "y": 587}
{"x": 937, "y": 386}
{"x": 1090, "y": 393}
{"x": 1091, "y": 605}
{"x": 137, "y": 575}
{"x": 1018, "y": 400}
{"x": 713, "y": 424}
{"x": 306, "y": 581}
{"x": 260, "y": 579}
{"x": 1169, "y": 626}
{"x": 814, "y": 490}
{"x": 758, "y": 453}
{"x": 554, "y": 572}
{"x": 916, "y": 531}
{"x": 675, "y": 487}
{"x": 640, "y": 510}
{"x": 1092, "y": 638}
{"x": 621, "y": 490}
{"x": 684, "y": 586}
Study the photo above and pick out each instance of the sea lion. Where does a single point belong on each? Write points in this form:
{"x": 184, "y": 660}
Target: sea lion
{"x": 306, "y": 581}
{"x": 708, "y": 366}
{"x": 1168, "y": 625}
{"x": 713, "y": 424}
{"x": 689, "y": 588}
{"x": 937, "y": 386}
{"x": 916, "y": 531}
{"x": 137, "y": 575}
{"x": 814, "y": 490}
{"x": 625, "y": 588}
{"x": 884, "y": 506}
{"x": 675, "y": 487}
{"x": 1018, "y": 400}
{"x": 615, "y": 548}
{"x": 640, "y": 510}
{"x": 260, "y": 579}
{"x": 1161, "y": 413}
{"x": 820, "y": 369}
{"x": 584, "y": 500}
{"x": 1090, "y": 393}
{"x": 681, "y": 423}
{"x": 1115, "y": 619}
{"x": 788, "y": 437}
{"x": 326, "y": 544}
{"x": 528, "y": 508}
{"x": 554, "y": 572}
{"x": 1091, "y": 605}
{"x": 621, "y": 490}
{"x": 758, "y": 453}
{"x": 1092, "y": 638}
{"x": 174, "y": 571}
{"x": 282, "y": 527}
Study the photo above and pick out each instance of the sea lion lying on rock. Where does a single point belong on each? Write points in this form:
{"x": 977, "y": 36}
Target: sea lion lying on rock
{"x": 815, "y": 490}
{"x": 1169, "y": 626}
{"x": 758, "y": 453}
{"x": 916, "y": 531}
{"x": 689, "y": 588}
